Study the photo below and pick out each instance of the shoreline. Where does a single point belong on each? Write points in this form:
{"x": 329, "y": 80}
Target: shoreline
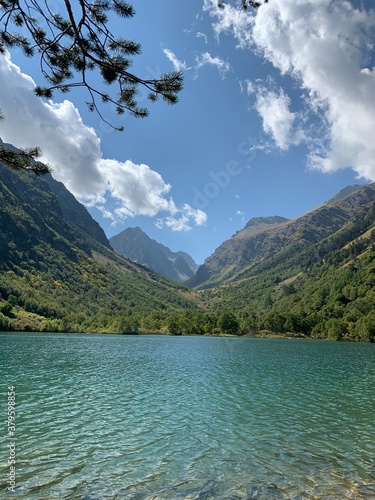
{"x": 263, "y": 334}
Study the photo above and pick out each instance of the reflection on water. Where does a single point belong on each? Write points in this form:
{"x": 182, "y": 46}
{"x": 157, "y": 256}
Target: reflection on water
{"x": 190, "y": 417}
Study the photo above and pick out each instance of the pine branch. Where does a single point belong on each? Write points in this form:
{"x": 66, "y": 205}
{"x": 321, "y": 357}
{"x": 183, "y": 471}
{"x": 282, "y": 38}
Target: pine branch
{"x": 71, "y": 48}
{"x": 23, "y": 159}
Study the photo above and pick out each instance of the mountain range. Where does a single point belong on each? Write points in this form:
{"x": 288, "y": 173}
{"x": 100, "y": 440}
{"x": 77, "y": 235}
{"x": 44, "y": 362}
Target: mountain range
{"x": 312, "y": 276}
{"x": 58, "y": 271}
{"x": 134, "y": 244}
{"x": 264, "y": 237}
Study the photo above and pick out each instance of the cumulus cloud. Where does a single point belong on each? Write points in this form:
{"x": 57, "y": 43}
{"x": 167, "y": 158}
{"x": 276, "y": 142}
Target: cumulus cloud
{"x": 326, "y": 46}
{"x": 70, "y": 146}
{"x": 277, "y": 119}
{"x": 206, "y": 58}
{"x": 74, "y": 151}
{"x": 177, "y": 64}
{"x": 230, "y": 19}
{"x": 142, "y": 191}
{"x": 182, "y": 220}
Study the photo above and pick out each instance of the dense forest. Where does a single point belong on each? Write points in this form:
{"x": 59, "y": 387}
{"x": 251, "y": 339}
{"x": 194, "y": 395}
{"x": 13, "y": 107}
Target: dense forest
{"x": 326, "y": 291}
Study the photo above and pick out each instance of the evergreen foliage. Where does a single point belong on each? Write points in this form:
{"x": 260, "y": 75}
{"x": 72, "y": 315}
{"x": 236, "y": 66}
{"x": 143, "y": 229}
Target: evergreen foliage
{"x": 73, "y": 46}
{"x": 22, "y": 159}
{"x": 56, "y": 277}
{"x": 323, "y": 291}
{"x": 245, "y": 4}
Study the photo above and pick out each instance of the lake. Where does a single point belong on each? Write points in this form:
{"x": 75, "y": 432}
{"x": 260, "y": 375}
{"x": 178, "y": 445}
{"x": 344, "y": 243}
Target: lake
{"x": 163, "y": 417}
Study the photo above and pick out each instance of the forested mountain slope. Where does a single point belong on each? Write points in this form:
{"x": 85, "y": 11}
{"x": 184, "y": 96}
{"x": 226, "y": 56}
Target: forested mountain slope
{"x": 312, "y": 276}
{"x": 260, "y": 240}
{"x": 57, "y": 270}
{"x": 324, "y": 288}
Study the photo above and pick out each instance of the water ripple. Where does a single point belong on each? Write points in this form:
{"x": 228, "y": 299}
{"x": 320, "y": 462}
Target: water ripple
{"x": 115, "y": 417}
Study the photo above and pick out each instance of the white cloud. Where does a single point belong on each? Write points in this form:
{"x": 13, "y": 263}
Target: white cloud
{"x": 247, "y": 86}
{"x": 177, "y": 64}
{"x": 277, "y": 119}
{"x": 68, "y": 145}
{"x": 326, "y": 46}
{"x": 73, "y": 149}
{"x": 230, "y": 19}
{"x": 182, "y": 220}
{"x": 250, "y": 88}
{"x": 242, "y": 216}
{"x": 206, "y": 58}
{"x": 202, "y": 35}
{"x": 141, "y": 190}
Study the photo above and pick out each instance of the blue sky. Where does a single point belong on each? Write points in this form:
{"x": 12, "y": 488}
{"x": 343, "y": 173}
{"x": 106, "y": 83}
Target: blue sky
{"x": 277, "y": 114}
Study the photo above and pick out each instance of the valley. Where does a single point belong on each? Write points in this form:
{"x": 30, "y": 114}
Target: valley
{"x": 312, "y": 276}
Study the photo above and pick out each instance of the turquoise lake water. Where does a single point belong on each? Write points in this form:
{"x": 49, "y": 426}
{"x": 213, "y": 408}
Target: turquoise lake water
{"x": 163, "y": 417}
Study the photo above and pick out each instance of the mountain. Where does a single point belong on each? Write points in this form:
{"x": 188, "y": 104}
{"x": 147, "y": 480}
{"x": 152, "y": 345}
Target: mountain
{"x": 341, "y": 194}
{"x": 59, "y": 273}
{"x": 314, "y": 276}
{"x": 75, "y": 213}
{"x": 235, "y": 253}
{"x": 266, "y": 237}
{"x": 258, "y": 224}
{"x": 134, "y": 244}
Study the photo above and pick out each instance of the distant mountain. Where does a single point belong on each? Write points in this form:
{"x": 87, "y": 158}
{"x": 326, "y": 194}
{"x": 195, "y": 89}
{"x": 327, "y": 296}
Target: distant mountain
{"x": 137, "y": 246}
{"x": 235, "y": 253}
{"x": 265, "y": 237}
{"x": 58, "y": 271}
